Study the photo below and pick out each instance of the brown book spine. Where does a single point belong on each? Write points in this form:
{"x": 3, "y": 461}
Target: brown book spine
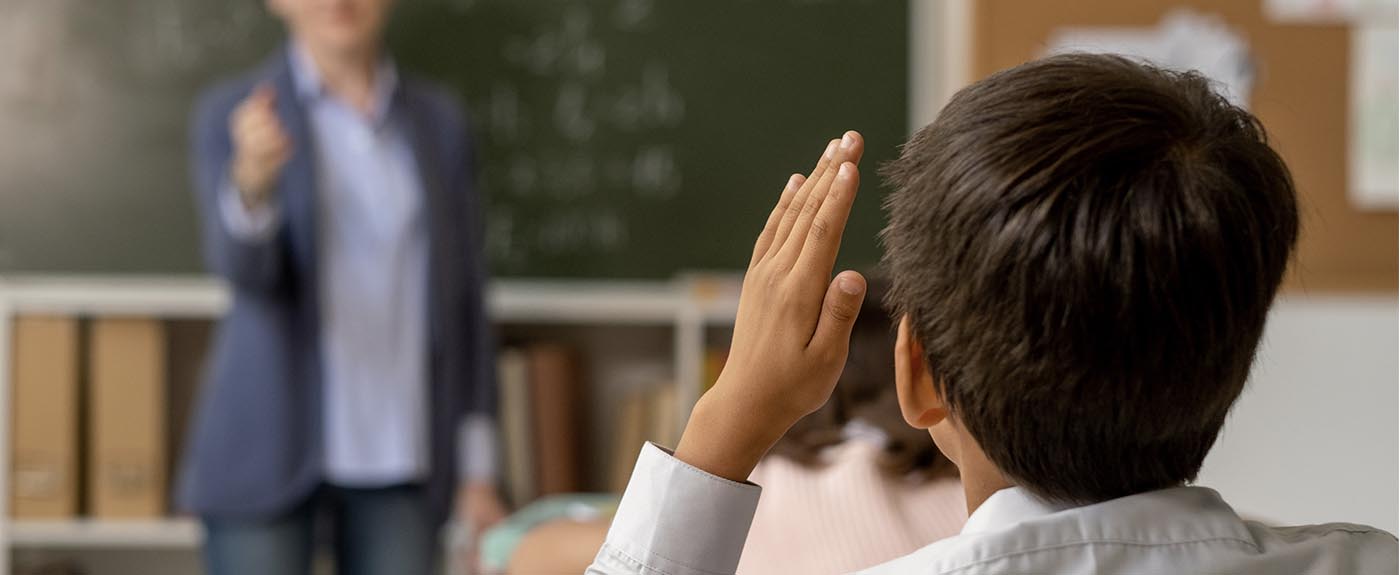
{"x": 556, "y": 394}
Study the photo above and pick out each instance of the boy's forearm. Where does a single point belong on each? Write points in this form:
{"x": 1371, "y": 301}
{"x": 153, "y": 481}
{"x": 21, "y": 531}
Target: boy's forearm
{"x": 722, "y": 439}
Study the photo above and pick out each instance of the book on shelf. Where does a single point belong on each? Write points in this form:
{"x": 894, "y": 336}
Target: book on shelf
{"x": 647, "y": 413}
{"x": 629, "y": 435}
{"x": 665, "y": 418}
{"x": 127, "y": 419}
{"x": 44, "y": 449}
{"x": 715, "y": 358}
{"x": 556, "y": 395}
{"x": 513, "y": 371}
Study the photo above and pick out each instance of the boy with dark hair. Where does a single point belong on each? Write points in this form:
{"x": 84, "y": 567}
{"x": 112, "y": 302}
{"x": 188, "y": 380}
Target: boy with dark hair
{"x": 1083, "y": 252}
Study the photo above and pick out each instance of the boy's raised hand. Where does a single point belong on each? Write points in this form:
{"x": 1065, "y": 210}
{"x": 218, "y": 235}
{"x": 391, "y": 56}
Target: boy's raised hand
{"x": 793, "y": 328}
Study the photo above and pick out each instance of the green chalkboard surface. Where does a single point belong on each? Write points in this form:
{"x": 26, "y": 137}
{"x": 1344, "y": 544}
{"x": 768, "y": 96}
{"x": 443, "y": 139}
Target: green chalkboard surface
{"x": 619, "y": 138}
{"x": 94, "y": 100}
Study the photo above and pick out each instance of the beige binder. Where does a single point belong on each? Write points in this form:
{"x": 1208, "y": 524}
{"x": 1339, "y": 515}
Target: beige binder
{"x": 44, "y": 448}
{"x": 127, "y": 419}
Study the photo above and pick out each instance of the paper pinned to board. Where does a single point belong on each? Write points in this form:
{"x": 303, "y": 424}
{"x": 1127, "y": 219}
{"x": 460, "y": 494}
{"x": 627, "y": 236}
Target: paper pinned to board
{"x": 1373, "y": 153}
{"x": 1329, "y": 11}
{"x": 1373, "y": 123}
{"x": 1184, "y": 40}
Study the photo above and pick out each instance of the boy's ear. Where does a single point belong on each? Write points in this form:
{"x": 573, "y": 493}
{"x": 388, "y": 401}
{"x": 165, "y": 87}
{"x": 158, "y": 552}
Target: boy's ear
{"x": 919, "y": 401}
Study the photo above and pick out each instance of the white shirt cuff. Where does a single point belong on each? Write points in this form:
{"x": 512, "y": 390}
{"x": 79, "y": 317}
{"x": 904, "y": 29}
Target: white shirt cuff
{"x": 476, "y": 448}
{"x": 249, "y": 225}
{"x": 677, "y": 519}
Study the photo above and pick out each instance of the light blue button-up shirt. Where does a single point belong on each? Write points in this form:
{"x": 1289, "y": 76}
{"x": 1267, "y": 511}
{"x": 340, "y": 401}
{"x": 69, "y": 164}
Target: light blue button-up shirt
{"x": 373, "y": 285}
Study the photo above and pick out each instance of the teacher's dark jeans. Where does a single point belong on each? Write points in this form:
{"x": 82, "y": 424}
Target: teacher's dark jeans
{"x": 372, "y": 532}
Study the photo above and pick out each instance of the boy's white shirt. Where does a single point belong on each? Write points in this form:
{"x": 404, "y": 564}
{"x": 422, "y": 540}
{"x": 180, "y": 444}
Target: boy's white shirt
{"x": 675, "y": 519}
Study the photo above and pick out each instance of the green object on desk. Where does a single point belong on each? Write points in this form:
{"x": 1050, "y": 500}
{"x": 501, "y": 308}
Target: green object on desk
{"x": 498, "y": 543}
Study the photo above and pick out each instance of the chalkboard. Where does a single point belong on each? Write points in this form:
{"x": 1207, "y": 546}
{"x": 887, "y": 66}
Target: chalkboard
{"x": 618, "y": 138}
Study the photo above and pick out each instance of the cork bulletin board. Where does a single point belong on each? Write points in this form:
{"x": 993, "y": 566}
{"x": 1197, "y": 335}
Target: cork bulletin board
{"x": 1300, "y": 94}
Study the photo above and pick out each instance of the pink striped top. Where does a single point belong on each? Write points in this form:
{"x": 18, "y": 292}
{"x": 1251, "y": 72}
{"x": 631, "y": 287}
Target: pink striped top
{"x": 844, "y": 516}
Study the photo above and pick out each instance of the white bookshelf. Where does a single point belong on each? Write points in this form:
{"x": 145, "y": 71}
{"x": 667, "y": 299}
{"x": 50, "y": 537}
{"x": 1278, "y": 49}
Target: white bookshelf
{"x": 678, "y": 306}
{"x": 86, "y": 533}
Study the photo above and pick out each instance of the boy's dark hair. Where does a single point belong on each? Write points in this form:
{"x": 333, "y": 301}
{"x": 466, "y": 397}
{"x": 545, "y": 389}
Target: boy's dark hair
{"x": 1087, "y": 248}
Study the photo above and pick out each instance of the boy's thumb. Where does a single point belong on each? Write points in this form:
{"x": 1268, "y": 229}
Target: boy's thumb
{"x": 839, "y": 310}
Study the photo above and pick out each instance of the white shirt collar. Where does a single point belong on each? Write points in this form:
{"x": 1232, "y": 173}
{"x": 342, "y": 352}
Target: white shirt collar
{"x": 1009, "y": 507}
{"x": 1172, "y": 511}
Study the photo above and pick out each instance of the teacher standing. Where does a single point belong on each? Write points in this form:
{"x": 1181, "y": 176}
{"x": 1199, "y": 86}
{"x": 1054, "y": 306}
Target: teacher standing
{"x": 352, "y": 378}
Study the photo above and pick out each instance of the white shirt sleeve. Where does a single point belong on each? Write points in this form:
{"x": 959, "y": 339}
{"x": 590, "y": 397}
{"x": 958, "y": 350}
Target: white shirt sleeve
{"x": 244, "y": 224}
{"x": 675, "y": 519}
{"x": 477, "y": 448}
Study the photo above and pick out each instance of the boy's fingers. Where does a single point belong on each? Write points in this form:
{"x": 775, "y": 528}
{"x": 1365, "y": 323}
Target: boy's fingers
{"x": 823, "y": 241}
{"x": 794, "y": 208}
{"x": 770, "y": 228}
{"x": 839, "y": 310}
{"x": 850, "y": 151}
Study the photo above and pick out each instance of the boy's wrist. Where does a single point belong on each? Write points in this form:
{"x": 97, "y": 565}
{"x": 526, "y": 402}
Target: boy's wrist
{"x": 726, "y": 439}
